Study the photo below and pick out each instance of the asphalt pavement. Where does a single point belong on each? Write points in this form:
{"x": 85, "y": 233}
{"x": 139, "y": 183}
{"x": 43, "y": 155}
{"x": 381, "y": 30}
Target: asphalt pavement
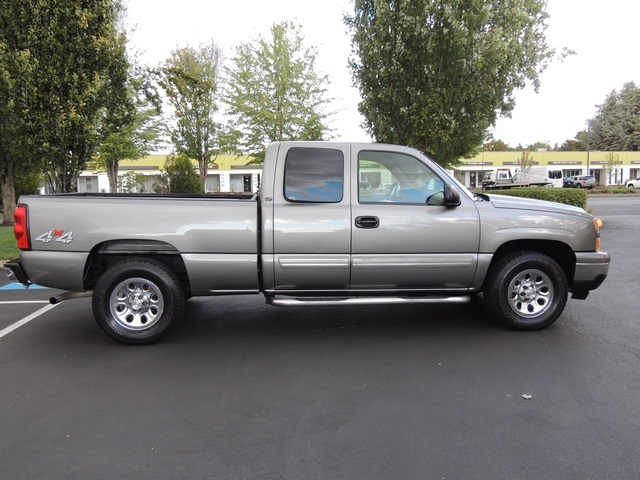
{"x": 242, "y": 390}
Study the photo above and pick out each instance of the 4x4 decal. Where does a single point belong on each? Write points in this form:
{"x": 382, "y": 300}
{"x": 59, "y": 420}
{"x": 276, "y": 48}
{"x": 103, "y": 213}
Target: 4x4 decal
{"x": 55, "y": 236}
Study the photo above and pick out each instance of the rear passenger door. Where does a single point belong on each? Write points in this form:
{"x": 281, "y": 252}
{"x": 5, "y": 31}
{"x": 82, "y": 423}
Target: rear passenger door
{"x": 312, "y": 219}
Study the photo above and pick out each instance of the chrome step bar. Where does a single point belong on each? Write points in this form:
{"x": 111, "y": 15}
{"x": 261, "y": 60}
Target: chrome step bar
{"x": 336, "y": 301}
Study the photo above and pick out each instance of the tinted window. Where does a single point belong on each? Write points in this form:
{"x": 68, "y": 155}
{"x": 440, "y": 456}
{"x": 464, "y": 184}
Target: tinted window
{"x": 314, "y": 175}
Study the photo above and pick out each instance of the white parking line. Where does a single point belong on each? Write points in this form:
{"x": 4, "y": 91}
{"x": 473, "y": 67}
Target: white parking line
{"x": 25, "y": 320}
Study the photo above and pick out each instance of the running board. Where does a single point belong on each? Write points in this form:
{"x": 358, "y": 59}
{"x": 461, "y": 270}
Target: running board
{"x": 335, "y": 301}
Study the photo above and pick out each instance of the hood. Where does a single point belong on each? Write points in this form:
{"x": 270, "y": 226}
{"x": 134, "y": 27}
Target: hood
{"x": 519, "y": 203}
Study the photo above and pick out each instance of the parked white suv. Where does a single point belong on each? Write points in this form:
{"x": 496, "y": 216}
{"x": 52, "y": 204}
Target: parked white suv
{"x": 634, "y": 183}
{"x": 584, "y": 181}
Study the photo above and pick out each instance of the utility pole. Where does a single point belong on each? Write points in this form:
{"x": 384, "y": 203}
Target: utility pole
{"x": 588, "y": 145}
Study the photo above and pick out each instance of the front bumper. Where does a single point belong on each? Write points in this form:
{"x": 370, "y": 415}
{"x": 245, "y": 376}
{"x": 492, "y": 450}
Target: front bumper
{"x": 591, "y": 270}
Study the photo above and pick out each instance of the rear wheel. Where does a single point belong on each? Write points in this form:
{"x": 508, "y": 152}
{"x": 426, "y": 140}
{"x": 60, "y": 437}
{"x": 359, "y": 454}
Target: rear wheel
{"x": 526, "y": 290}
{"x": 138, "y": 301}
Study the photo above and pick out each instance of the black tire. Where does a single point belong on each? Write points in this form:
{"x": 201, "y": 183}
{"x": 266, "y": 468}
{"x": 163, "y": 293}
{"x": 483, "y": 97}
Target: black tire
{"x": 525, "y": 290}
{"x": 138, "y": 300}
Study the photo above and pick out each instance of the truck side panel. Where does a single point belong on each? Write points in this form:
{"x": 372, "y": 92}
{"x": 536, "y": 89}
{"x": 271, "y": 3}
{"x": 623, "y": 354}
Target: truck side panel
{"x": 222, "y": 274}
{"x": 221, "y": 232}
{"x": 63, "y": 270}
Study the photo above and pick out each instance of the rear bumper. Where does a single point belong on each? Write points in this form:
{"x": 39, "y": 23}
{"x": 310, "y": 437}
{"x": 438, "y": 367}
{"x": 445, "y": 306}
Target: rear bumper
{"x": 16, "y": 273}
{"x": 591, "y": 270}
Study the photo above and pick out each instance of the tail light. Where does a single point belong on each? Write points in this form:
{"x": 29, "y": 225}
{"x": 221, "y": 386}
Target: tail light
{"x": 21, "y": 227}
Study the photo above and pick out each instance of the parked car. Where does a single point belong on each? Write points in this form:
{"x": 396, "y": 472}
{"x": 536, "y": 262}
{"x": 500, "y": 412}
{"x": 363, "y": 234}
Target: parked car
{"x": 584, "y": 181}
{"x": 634, "y": 183}
{"x": 567, "y": 182}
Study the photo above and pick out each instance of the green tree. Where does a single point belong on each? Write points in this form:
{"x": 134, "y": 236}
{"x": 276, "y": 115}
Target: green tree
{"x": 539, "y": 146}
{"x": 525, "y": 163}
{"x": 178, "y": 176}
{"x": 275, "y": 93}
{"x": 578, "y": 144}
{"x": 8, "y": 156}
{"x": 17, "y": 88}
{"x": 132, "y": 182}
{"x": 129, "y": 123}
{"x": 191, "y": 79}
{"x": 496, "y": 146}
{"x": 435, "y": 74}
{"x": 612, "y": 168}
{"x": 616, "y": 126}
{"x": 70, "y": 52}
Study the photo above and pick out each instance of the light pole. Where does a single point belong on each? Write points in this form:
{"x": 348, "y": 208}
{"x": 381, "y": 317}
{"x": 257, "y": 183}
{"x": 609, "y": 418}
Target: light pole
{"x": 588, "y": 145}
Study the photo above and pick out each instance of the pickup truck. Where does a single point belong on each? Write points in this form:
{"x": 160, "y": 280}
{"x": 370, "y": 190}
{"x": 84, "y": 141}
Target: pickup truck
{"x": 319, "y": 232}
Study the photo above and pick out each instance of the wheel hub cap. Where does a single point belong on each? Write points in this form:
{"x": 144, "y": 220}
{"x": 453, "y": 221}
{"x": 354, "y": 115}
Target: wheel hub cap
{"x": 527, "y": 291}
{"x": 531, "y": 293}
{"x": 136, "y": 303}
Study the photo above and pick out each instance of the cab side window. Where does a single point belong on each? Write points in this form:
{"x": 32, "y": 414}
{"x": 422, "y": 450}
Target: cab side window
{"x": 314, "y": 175}
{"x": 392, "y": 177}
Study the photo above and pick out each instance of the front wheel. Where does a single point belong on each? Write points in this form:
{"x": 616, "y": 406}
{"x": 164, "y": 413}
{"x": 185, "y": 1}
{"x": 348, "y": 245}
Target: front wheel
{"x": 526, "y": 290}
{"x": 138, "y": 301}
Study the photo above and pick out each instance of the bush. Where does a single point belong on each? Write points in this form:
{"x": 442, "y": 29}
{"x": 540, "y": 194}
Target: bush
{"x": 616, "y": 190}
{"x": 570, "y": 196}
{"x": 178, "y": 176}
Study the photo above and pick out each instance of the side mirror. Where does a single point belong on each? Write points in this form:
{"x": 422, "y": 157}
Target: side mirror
{"x": 451, "y": 196}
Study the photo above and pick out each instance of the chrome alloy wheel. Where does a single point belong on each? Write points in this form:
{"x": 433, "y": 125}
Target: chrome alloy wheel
{"x": 531, "y": 293}
{"x": 136, "y": 303}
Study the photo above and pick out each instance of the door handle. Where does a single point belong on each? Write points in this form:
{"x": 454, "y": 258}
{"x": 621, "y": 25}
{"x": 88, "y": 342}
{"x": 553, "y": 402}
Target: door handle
{"x": 367, "y": 222}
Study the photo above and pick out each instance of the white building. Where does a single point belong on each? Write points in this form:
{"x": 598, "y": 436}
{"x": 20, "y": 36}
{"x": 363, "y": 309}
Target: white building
{"x": 230, "y": 173}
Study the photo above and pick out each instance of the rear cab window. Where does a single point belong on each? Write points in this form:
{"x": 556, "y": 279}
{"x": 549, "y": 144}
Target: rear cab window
{"x": 314, "y": 175}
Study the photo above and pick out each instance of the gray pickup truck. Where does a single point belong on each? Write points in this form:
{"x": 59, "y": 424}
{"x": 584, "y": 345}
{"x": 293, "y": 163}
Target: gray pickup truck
{"x": 333, "y": 224}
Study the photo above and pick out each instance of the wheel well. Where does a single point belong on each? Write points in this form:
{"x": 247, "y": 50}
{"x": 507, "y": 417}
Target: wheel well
{"x": 560, "y": 252}
{"x": 107, "y": 254}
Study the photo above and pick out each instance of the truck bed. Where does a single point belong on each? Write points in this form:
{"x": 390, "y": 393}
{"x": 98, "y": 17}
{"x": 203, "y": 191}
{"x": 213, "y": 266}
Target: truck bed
{"x": 219, "y": 232}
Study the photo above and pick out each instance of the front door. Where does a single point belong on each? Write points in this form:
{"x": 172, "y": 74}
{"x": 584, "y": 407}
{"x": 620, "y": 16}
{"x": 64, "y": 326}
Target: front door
{"x": 403, "y": 237}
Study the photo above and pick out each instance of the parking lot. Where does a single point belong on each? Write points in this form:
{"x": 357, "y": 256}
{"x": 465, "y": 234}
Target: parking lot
{"x": 242, "y": 390}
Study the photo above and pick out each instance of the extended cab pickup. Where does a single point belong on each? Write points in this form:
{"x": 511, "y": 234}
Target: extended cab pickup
{"x": 333, "y": 223}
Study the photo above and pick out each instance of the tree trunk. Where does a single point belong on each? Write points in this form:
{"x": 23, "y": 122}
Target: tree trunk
{"x": 112, "y": 174}
{"x": 202, "y": 170}
{"x": 8, "y": 190}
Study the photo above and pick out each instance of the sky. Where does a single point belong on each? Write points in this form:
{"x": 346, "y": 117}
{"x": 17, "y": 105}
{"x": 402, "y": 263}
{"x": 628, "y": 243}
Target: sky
{"x": 603, "y": 35}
